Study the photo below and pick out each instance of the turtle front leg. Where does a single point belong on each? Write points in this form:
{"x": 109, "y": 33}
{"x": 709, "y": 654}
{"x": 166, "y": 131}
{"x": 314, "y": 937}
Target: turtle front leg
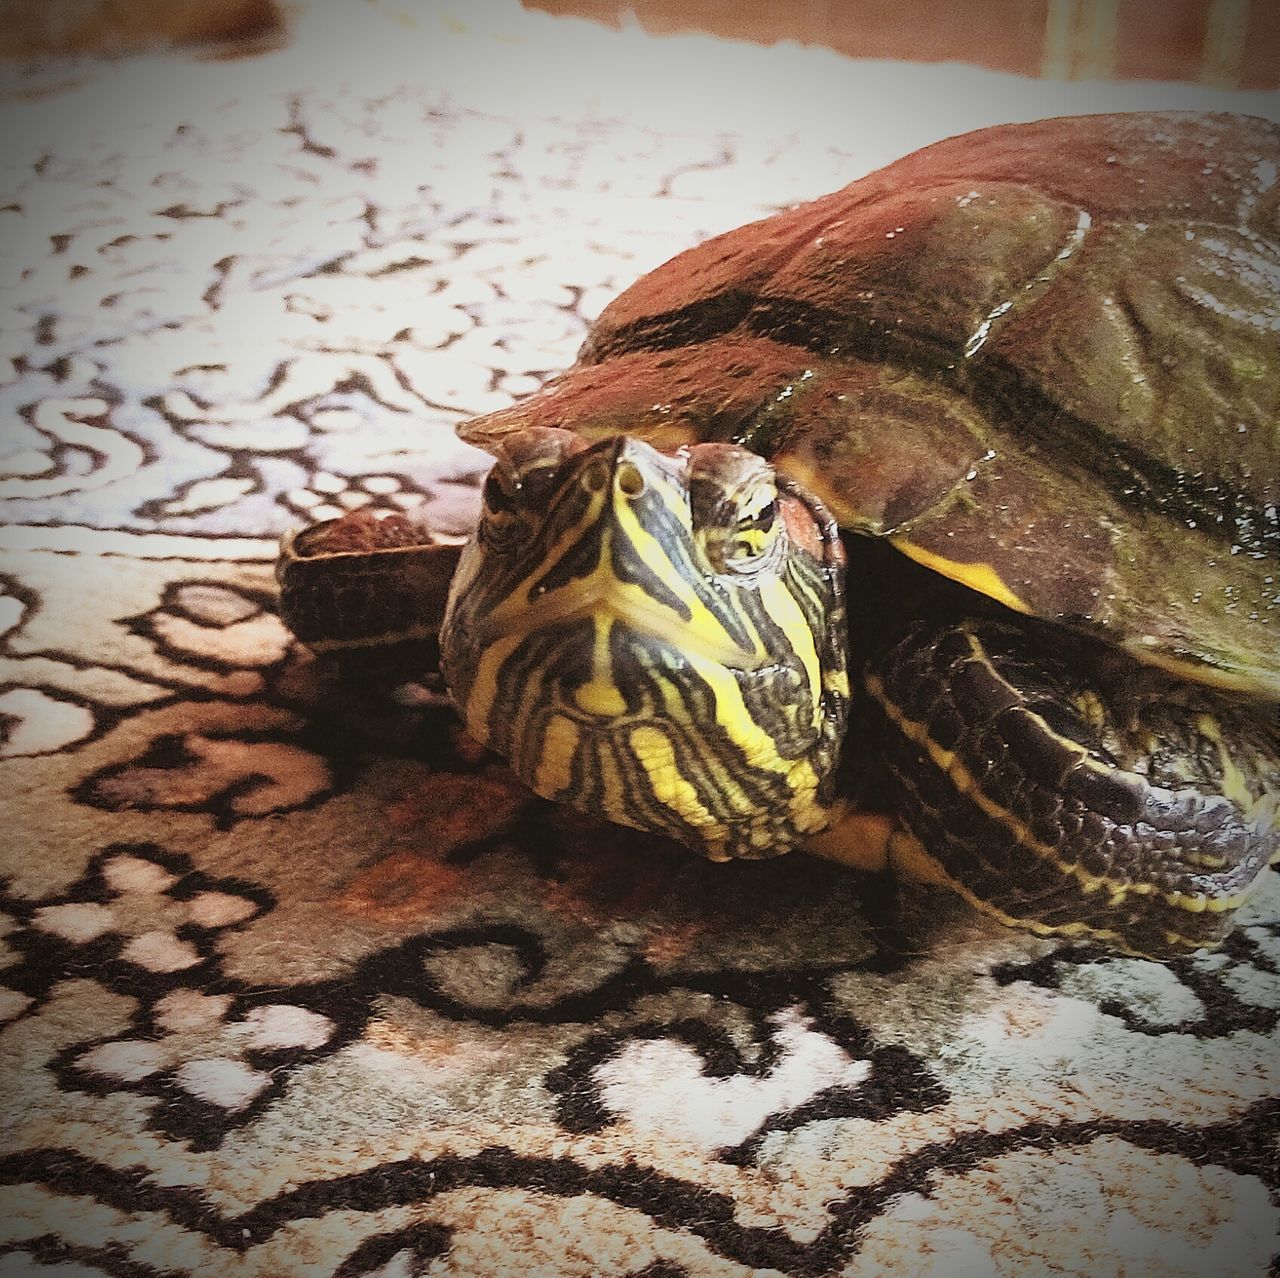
{"x": 1059, "y": 798}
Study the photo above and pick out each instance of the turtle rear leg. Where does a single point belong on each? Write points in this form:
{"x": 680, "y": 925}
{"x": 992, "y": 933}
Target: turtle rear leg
{"x": 367, "y": 592}
{"x": 1062, "y": 794}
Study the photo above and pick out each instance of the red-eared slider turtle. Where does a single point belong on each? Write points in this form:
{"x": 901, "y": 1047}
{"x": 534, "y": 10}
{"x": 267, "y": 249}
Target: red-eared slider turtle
{"x": 1027, "y": 382}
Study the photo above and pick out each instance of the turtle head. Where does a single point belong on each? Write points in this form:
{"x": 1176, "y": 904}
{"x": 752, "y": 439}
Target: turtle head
{"x": 656, "y": 638}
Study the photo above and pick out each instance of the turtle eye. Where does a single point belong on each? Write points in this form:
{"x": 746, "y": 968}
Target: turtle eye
{"x": 501, "y": 516}
{"x": 499, "y": 493}
{"x": 530, "y": 467}
{"x": 733, "y": 498}
{"x": 761, "y": 521}
{"x": 748, "y": 541}
{"x": 737, "y": 529}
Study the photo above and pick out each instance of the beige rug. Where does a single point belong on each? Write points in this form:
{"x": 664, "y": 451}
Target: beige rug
{"x": 294, "y": 982}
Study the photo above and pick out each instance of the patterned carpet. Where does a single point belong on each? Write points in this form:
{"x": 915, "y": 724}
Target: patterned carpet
{"x": 294, "y": 981}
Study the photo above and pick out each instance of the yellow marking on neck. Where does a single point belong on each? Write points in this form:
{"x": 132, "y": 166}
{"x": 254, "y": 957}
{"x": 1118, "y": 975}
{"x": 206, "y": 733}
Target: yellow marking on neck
{"x": 981, "y": 577}
{"x": 559, "y": 745}
{"x": 676, "y": 790}
{"x": 613, "y": 793}
{"x": 967, "y": 784}
{"x": 732, "y": 715}
{"x": 722, "y": 778}
{"x": 808, "y": 814}
{"x": 785, "y": 611}
{"x": 670, "y": 787}
{"x": 484, "y": 685}
{"x": 599, "y": 695}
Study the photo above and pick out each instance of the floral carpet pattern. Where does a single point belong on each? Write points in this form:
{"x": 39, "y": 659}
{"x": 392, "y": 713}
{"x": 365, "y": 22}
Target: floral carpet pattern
{"x": 295, "y": 981}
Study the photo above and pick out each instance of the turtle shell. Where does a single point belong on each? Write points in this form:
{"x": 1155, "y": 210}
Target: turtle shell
{"x": 1042, "y": 359}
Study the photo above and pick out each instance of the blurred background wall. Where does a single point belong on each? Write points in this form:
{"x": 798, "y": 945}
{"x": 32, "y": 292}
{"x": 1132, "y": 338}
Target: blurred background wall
{"x": 1218, "y": 43}
{"x": 1223, "y": 43}
{"x": 53, "y": 28}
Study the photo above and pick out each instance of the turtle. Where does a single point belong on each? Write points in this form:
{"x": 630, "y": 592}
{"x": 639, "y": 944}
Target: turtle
{"x": 931, "y": 525}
